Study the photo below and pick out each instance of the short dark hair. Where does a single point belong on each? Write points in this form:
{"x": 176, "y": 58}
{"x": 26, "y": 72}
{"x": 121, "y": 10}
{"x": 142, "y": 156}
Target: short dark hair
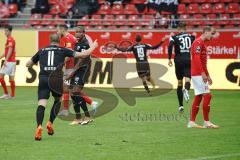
{"x": 80, "y": 28}
{"x": 207, "y": 29}
{"x": 182, "y": 25}
{"x": 9, "y": 28}
{"x": 63, "y": 26}
{"x": 138, "y": 38}
{"x": 54, "y": 38}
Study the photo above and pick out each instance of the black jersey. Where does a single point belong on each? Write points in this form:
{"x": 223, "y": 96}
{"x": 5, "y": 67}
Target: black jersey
{"x": 140, "y": 51}
{"x": 51, "y": 58}
{"x": 80, "y": 47}
{"x": 182, "y": 43}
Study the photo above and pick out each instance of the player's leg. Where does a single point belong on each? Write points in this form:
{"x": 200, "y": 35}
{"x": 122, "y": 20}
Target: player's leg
{"x": 179, "y": 74}
{"x": 148, "y": 75}
{"x": 144, "y": 81}
{"x": 198, "y": 91}
{"x": 206, "y": 110}
{"x": 187, "y": 75}
{"x": 180, "y": 95}
{"x": 12, "y": 85}
{"x": 43, "y": 96}
{"x": 4, "y": 86}
{"x": 53, "y": 113}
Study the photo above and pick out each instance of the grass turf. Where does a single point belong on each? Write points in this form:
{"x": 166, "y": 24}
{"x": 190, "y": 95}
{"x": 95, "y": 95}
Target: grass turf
{"x": 117, "y": 136}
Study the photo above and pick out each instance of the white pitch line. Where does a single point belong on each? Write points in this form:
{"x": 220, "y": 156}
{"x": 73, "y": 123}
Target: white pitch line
{"x": 216, "y": 157}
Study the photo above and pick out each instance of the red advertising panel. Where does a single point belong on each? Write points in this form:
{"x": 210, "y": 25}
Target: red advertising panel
{"x": 224, "y": 46}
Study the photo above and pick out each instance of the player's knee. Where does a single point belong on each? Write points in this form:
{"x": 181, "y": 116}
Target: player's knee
{"x": 208, "y": 95}
{"x": 1, "y": 79}
{"x": 180, "y": 83}
{"x": 180, "y": 87}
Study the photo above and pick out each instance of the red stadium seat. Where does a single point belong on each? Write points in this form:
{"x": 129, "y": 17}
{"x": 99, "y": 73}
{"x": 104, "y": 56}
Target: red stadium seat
{"x": 237, "y": 17}
{"x": 38, "y": 26}
{"x": 46, "y": 20}
{"x": 233, "y": 8}
{"x": 236, "y": 1}
{"x": 120, "y": 20}
{"x": 137, "y": 27}
{"x": 138, "y": 1}
{"x": 199, "y": 1}
{"x": 108, "y": 20}
{"x": 13, "y": 8}
{"x": 186, "y": 1}
{"x": 33, "y": 20}
{"x": 216, "y": 26}
{"x": 181, "y": 8}
{"x": 58, "y": 20}
{"x": 117, "y": 9}
{"x": 206, "y": 8}
{"x": 84, "y": 21}
{"x": 59, "y": 9}
{"x": 151, "y": 11}
{"x": 193, "y": 8}
{"x": 211, "y": 19}
{"x": 198, "y": 19}
{"x": 225, "y": 1}
{"x": 111, "y": 27}
{"x": 213, "y": 1}
{"x": 229, "y": 26}
{"x": 69, "y": 1}
{"x": 96, "y": 20}
{"x": 224, "y": 19}
{"x": 133, "y": 20}
{"x": 146, "y": 20}
{"x": 52, "y": 2}
{"x": 101, "y": 1}
{"x": 104, "y": 9}
{"x": 130, "y": 9}
{"x": 184, "y": 17}
{"x": 219, "y": 8}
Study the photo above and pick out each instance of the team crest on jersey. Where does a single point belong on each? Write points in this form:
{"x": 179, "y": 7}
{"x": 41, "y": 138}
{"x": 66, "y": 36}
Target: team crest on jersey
{"x": 198, "y": 49}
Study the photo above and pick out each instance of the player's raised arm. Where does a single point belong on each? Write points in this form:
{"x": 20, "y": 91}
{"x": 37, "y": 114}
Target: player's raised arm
{"x": 170, "y": 49}
{"x": 87, "y": 52}
{"x": 159, "y": 44}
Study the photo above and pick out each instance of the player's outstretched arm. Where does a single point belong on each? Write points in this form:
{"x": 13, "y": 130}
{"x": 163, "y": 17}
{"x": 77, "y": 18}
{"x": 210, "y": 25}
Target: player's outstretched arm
{"x": 87, "y": 52}
{"x": 29, "y": 63}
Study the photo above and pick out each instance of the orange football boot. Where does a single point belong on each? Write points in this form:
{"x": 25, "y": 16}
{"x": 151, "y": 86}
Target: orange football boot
{"x": 50, "y": 128}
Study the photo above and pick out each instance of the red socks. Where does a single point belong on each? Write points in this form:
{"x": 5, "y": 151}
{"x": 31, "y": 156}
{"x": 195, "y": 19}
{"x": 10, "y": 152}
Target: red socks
{"x": 3, "y": 83}
{"x": 206, "y": 106}
{"x": 195, "y": 107}
{"x": 66, "y": 100}
{"x": 86, "y": 98}
{"x": 12, "y": 85}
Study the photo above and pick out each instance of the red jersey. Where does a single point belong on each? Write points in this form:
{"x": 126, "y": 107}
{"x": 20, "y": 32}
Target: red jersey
{"x": 199, "y": 58}
{"x": 69, "y": 42}
{"x": 10, "y": 43}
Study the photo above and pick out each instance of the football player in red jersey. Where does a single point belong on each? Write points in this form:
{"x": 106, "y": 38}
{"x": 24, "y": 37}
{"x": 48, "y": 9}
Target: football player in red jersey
{"x": 201, "y": 79}
{"x": 67, "y": 41}
{"x": 9, "y": 65}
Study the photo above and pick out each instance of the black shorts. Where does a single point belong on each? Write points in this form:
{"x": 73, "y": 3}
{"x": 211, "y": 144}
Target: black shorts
{"x": 182, "y": 69}
{"x": 143, "y": 69}
{"x": 47, "y": 85}
{"x": 81, "y": 76}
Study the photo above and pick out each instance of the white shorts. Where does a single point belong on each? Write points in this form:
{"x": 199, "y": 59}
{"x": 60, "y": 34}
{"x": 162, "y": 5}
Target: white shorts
{"x": 66, "y": 73}
{"x": 10, "y": 69}
{"x": 199, "y": 86}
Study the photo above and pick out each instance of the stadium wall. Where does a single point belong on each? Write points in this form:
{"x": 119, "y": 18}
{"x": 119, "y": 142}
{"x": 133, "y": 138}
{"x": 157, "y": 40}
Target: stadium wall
{"x": 118, "y": 70}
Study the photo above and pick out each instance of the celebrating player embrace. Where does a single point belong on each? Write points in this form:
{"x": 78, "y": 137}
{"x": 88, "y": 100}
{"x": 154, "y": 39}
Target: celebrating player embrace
{"x": 51, "y": 59}
{"x": 201, "y": 79}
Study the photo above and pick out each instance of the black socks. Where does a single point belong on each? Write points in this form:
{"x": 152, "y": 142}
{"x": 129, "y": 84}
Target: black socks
{"x": 54, "y": 111}
{"x": 146, "y": 86}
{"x": 40, "y": 114}
{"x": 180, "y": 95}
{"x": 187, "y": 85}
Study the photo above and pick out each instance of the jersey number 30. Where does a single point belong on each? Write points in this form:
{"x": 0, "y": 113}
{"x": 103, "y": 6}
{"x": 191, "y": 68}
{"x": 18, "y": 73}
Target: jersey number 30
{"x": 185, "y": 42}
{"x": 50, "y": 58}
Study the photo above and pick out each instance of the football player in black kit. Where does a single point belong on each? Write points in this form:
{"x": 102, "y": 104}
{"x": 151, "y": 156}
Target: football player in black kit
{"x": 181, "y": 43}
{"x": 51, "y": 60}
{"x": 79, "y": 76}
{"x": 140, "y": 52}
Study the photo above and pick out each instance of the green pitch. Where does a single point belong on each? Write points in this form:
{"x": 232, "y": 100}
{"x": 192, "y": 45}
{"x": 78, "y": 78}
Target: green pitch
{"x": 121, "y": 134}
